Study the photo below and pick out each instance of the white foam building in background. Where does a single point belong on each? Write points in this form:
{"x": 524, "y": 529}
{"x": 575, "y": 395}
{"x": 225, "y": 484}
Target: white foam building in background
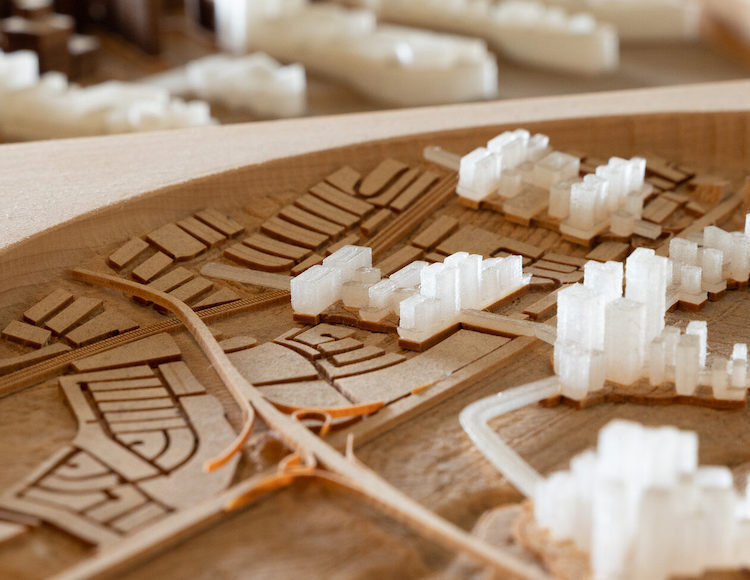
{"x": 645, "y": 20}
{"x": 47, "y": 107}
{"x": 255, "y": 83}
{"x": 397, "y": 65}
{"x": 427, "y": 298}
{"x": 643, "y": 508}
{"x": 526, "y": 31}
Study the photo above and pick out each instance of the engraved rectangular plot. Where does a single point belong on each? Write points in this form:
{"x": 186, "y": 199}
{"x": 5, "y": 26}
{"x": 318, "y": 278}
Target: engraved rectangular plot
{"x": 131, "y": 394}
{"x": 339, "y": 346}
{"x": 176, "y": 242}
{"x": 191, "y": 290}
{"x": 158, "y": 348}
{"x": 358, "y": 355}
{"x": 307, "y": 394}
{"x": 108, "y": 323}
{"x": 24, "y": 333}
{"x": 527, "y": 204}
{"x": 72, "y": 315}
{"x": 172, "y": 279}
{"x": 307, "y": 220}
{"x": 345, "y": 179}
{"x": 440, "y": 229}
{"x": 382, "y": 175}
{"x": 144, "y": 415}
{"x": 48, "y": 306}
{"x": 362, "y": 367}
{"x": 607, "y": 251}
{"x": 288, "y": 232}
{"x": 180, "y": 379}
{"x": 138, "y": 518}
{"x": 142, "y": 383}
{"x": 340, "y": 199}
{"x": 137, "y": 405}
{"x": 201, "y": 231}
{"x": 326, "y": 210}
{"x": 376, "y": 221}
{"x": 127, "y": 253}
{"x": 272, "y": 363}
{"x": 152, "y": 267}
{"x": 423, "y": 183}
{"x": 473, "y": 240}
{"x": 145, "y": 426}
{"x": 256, "y": 259}
{"x": 276, "y": 247}
{"x": 219, "y": 221}
{"x": 448, "y": 356}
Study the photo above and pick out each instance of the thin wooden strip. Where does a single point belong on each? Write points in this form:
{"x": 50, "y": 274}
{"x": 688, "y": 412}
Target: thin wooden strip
{"x": 376, "y": 221}
{"x": 554, "y": 266}
{"x": 48, "y": 306}
{"x": 662, "y": 168}
{"x": 386, "y": 171}
{"x": 544, "y": 306}
{"x": 72, "y": 315}
{"x": 659, "y": 209}
{"x": 158, "y": 348}
{"x": 564, "y": 259}
{"x": 300, "y": 217}
{"x": 220, "y": 296}
{"x": 24, "y": 333}
{"x": 172, "y": 279}
{"x": 127, "y": 253}
{"x": 176, "y": 242}
{"x": 277, "y": 248}
{"x": 256, "y": 259}
{"x": 351, "y": 239}
{"x": 333, "y": 372}
{"x": 396, "y": 188}
{"x": 435, "y": 233}
{"x": 131, "y": 394}
{"x": 220, "y": 222}
{"x": 146, "y": 426}
{"x": 345, "y": 179}
{"x": 143, "y": 415}
{"x": 309, "y": 262}
{"x": 192, "y": 290}
{"x": 357, "y": 355}
{"x": 246, "y": 276}
{"x": 340, "y": 199}
{"x": 155, "y": 265}
{"x": 506, "y": 326}
{"x": 10, "y": 530}
{"x": 287, "y": 232}
{"x": 607, "y": 251}
{"x": 399, "y": 259}
{"x": 201, "y": 231}
{"x": 106, "y": 324}
{"x": 181, "y": 380}
{"x": 321, "y": 208}
{"x": 125, "y": 373}
{"x": 237, "y": 343}
{"x": 561, "y": 277}
{"x": 522, "y": 248}
{"x": 423, "y": 184}
{"x": 525, "y": 206}
{"x": 116, "y": 385}
{"x": 339, "y": 346}
{"x": 471, "y": 239}
{"x": 10, "y": 364}
{"x": 138, "y": 405}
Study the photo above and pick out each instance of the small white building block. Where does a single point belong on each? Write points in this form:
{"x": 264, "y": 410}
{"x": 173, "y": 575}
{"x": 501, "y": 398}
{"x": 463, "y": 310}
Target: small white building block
{"x": 409, "y": 276}
{"x": 554, "y": 168}
{"x": 349, "y": 259}
{"x": 559, "y": 198}
{"x": 625, "y": 340}
{"x": 646, "y": 282}
{"x": 580, "y": 317}
{"x": 512, "y": 146}
{"x": 687, "y": 364}
{"x": 606, "y": 278}
{"x": 479, "y": 174}
{"x": 656, "y": 362}
{"x": 315, "y": 289}
{"x": 700, "y": 329}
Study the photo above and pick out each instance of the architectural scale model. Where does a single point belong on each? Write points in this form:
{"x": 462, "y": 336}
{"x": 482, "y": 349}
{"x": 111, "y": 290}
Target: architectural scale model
{"x": 400, "y": 66}
{"x": 239, "y": 333}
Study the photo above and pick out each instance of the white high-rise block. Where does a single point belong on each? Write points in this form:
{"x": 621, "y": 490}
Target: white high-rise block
{"x": 691, "y": 279}
{"x": 646, "y": 281}
{"x": 315, "y": 290}
{"x": 469, "y": 278}
{"x": 687, "y": 364}
{"x": 634, "y": 204}
{"x": 739, "y": 373}
{"x": 683, "y": 251}
{"x": 367, "y": 275}
{"x": 348, "y": 259}
{"x": 537, "y": 148}
{"x": 747, "y": 224}
{"x": 420, "y": 315}
{"x": 700, "y": 329}
{"x": 671, "y": 336}
{"x": 584, "y": 202}
{"x": 511, "y": 146}
{"x": 355, "y": 294}
{"x": 581, "y": 370}
{"x": 712, "y": 262}
{"x": 381, "y": 294}
{"x": 604, "y": 277}
{"x": 479, "y": 174}
{"x": 409, "y": 276}
{"x": 656, "y": 362}
{"x": 559, "y": 198}
{"x": 739, "y": 351}
{"x": 510, "y": 183}
{"x": 622, "y": 223}
{"x": 625, "y": 340}
{"x": 580, "y": 317}
{"x": 720, "y": 368}
{"x": 18, "y": 70}
{"x": 555, "y": 167}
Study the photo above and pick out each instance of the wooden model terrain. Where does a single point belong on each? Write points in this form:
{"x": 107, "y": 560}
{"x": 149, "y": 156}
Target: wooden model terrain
{"x": 114, "y": 407}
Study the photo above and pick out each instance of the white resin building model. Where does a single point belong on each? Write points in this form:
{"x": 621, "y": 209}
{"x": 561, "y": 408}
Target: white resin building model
{"x": 427, "y": 298}
{"x": 645, "y": 20}
{"x": 48, "y": 107}
{"x": 255, "y": 83}
{"x": 402, "y": 66}
{"x": 643, "y": 509}
{"x": 526, "y": 31}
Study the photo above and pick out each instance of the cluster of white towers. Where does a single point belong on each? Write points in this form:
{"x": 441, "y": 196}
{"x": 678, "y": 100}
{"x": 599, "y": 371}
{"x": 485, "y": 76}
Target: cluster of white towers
{"x": 427, "y": 298}
{"x": 643, "y": 509}
{"x": 603, "y": 335}
{"x": 48, "y": 107}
